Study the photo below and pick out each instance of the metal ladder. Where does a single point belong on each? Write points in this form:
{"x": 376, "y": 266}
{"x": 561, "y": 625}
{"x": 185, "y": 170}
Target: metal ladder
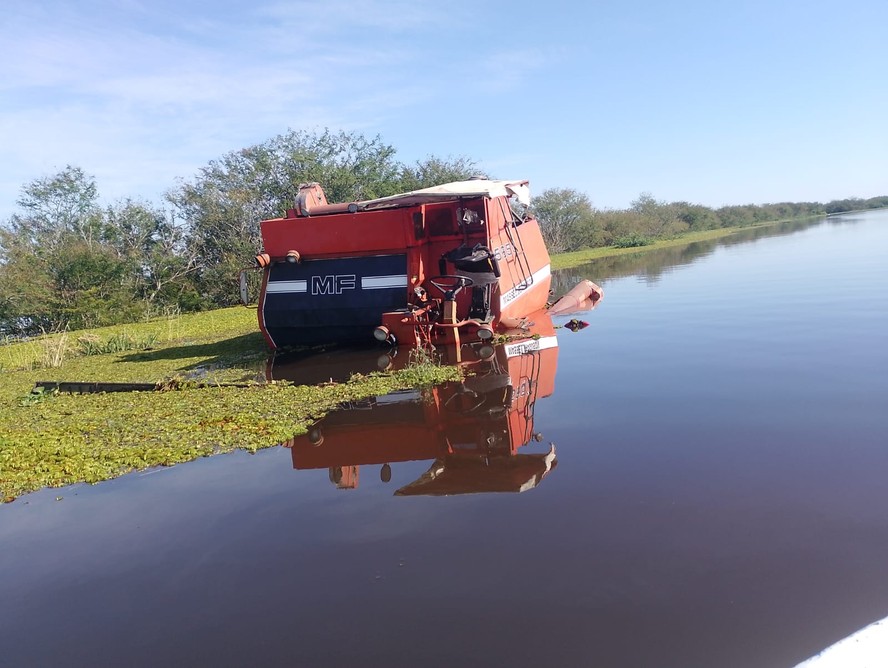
{"x": 523, "y": 265}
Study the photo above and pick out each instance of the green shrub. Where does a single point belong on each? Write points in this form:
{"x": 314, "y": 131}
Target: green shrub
{"x": 119, "y": 342}
{"x": 633, "y": 240}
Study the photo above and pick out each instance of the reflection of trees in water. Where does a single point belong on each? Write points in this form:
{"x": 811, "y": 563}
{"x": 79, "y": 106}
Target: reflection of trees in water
{"x": 651, "y": 265}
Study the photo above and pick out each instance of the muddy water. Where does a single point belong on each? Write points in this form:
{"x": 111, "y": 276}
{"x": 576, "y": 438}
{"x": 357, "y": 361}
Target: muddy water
{"x": 716, "y": 497}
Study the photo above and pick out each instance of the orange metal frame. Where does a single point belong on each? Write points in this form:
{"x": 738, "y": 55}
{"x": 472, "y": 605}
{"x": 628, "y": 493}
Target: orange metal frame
{"x": 425, "y": 233}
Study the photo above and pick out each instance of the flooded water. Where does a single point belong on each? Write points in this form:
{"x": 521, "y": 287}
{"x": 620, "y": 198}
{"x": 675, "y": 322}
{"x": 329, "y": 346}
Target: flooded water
{"x": 704, "y": 475}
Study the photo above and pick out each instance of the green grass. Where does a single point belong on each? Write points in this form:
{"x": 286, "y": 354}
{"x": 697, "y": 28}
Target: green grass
{"x": 50, "y": 440}
{"x": 90, "y": 344}
{"x": 577, "y": 258}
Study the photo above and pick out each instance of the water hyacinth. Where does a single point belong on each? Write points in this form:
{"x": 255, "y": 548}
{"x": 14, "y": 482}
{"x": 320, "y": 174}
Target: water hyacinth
{"x": 50, "y": 439}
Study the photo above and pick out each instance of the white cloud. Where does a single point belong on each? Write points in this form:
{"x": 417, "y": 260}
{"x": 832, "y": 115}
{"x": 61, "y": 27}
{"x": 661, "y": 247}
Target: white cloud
{"x": 138, "y": 104}
{"x": 140, "y": 92}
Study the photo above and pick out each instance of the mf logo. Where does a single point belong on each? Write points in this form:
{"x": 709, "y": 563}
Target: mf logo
{"x": 334, "y": 284}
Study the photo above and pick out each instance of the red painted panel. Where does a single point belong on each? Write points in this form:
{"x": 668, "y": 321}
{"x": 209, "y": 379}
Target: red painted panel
{"x": 340, "y": 235}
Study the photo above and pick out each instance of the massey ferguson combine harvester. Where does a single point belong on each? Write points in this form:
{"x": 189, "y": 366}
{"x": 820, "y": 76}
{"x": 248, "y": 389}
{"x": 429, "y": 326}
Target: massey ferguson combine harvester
{"x": 444, "y": 265}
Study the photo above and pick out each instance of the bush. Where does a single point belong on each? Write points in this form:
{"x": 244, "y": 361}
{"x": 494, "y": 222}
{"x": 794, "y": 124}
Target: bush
{"x": 632, "y": 241}
{"x": 90, "y": 344}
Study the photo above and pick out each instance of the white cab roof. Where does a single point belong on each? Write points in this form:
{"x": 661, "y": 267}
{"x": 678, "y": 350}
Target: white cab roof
{"x": 453, "y": 191}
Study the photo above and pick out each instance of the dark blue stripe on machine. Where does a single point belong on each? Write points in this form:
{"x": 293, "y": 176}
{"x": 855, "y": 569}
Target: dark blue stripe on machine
{"x": 342, "y": 292}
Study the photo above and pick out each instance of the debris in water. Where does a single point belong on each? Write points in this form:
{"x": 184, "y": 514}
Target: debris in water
{"x": 575, "y": 325}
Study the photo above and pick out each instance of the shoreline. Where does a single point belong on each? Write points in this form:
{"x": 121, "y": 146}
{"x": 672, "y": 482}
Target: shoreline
{"x": 580, "y": 257}
{"x": 224, "y": 402}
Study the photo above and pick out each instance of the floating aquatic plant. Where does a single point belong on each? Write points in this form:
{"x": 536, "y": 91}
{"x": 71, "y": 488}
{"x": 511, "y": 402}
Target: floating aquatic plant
{"x": 49, "y": 439}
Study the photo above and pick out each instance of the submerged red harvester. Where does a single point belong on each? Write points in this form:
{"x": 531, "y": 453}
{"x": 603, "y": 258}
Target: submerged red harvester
{"x": 449, "y": 264}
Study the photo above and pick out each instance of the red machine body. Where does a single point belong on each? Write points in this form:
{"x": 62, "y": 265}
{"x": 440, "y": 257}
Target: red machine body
{"x": 448, "y": 264}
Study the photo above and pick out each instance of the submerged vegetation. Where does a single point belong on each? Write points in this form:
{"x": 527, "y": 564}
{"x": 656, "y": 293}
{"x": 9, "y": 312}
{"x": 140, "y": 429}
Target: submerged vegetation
{"x": 49, "y": 439}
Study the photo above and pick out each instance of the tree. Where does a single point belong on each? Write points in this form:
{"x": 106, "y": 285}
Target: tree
{"x": 434, "y": 171}
{"x": 66, "y": 262}
{"x": 696, "y": 216}
{"x": 28, "y": 301}
{"x": 657, "y": 219}
{"x": 566, "y": 218}
{"x": 223, "y": 205}
{"x": 160, "y": 263}
{"x": 58, "y": 211}
{"x": 57, "y": 206}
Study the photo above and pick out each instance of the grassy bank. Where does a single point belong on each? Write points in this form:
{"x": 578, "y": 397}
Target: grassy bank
{"x": 577, "y": 258}
{"x": 50, "y": 440}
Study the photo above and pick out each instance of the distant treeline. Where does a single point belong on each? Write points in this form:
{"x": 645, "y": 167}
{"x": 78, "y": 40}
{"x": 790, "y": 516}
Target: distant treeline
{"x": 67, "y": 261}
{"x": 570, "y": 222}
{"x": 855, "y": 204}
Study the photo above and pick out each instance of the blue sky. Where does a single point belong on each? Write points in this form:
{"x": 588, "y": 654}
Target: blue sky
{"x": 710, "y": 102}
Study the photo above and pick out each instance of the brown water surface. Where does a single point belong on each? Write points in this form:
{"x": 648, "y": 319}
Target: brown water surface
{"x": 715, "y": 496}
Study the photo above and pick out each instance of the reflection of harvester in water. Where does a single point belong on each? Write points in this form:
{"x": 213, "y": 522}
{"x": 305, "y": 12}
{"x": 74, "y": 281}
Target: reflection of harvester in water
{"x": 471, "y": 429}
